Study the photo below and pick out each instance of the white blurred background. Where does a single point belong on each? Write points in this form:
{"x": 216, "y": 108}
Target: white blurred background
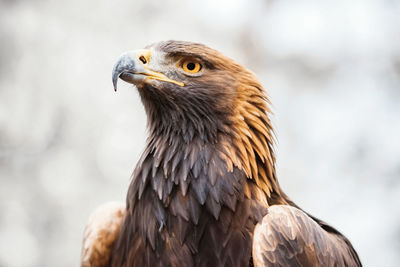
{"x": 69, "y": 143}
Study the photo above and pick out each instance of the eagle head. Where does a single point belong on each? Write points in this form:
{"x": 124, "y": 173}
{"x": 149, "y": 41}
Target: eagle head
{"x": 192, "y": 89}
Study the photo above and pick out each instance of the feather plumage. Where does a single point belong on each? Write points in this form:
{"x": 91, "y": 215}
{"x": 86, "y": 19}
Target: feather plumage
{"x": 205, "y": 192}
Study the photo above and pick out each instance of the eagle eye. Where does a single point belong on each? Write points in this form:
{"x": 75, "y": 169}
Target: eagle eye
{"x": 191, "y": 66}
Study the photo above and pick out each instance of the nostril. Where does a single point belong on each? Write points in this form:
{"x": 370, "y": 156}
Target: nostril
{"x": 143, "y": 59}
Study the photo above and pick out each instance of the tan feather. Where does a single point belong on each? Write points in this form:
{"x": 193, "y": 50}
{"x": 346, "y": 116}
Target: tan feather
{"x": 101, "y": 233}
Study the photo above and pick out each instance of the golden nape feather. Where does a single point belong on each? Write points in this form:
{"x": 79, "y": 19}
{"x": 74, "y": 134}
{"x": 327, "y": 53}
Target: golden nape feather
{"x": 205, "y": 190}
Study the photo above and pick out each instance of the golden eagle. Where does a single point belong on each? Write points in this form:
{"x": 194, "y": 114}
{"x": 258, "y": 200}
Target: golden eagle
{"x": 205, "y": 191}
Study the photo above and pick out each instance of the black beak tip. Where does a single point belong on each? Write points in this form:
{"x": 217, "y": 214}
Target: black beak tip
{"x": 115, "y": 77}
{"x": 115, "y": 85}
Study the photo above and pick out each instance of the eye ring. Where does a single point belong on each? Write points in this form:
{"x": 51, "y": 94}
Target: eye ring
{"x": 191, "y": 66}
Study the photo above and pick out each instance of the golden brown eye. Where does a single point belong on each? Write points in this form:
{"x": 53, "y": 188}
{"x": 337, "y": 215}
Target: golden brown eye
{"x": 191, "y": 66}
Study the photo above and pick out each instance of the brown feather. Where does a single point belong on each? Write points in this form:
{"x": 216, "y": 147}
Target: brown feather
{"x": 289, "y": 237}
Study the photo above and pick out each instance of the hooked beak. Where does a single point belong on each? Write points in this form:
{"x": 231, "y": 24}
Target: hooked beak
{"x": 132, "y": 67}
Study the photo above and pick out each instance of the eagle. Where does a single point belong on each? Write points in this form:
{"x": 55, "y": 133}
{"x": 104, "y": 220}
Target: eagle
{"x": 205, "y": 190}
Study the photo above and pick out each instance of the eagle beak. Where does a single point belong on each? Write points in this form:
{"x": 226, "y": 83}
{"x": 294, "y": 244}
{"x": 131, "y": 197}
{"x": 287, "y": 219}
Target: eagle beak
{"x": 133, "y": 67}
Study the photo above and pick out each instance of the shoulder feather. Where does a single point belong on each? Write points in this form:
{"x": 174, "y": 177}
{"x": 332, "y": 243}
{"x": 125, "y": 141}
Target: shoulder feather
{"x": 100, "y": 234}
{"x": 289, "y": 237}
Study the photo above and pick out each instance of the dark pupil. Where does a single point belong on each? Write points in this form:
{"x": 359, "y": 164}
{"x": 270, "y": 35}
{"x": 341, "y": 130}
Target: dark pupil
{"x": 191, "y": 66}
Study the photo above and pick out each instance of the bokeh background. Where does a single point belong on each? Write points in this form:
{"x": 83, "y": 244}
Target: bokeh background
{"x": 69, "y": 143}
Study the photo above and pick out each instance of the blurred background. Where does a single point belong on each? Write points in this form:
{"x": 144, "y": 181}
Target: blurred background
{"x": 69, "y": 143}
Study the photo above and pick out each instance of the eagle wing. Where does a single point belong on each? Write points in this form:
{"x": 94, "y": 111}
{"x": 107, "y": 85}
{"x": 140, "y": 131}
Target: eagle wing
{"x": 100, "y": 234}
{"x": 287, "y": 236}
